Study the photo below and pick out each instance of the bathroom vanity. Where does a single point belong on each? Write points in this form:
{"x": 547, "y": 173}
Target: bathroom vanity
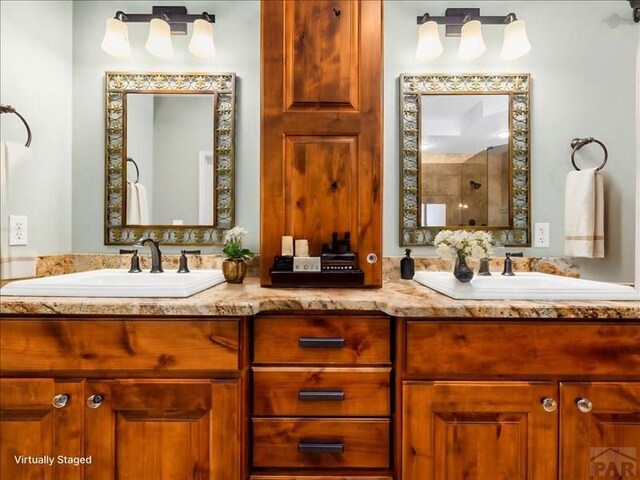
{"x": 400, "y": 382}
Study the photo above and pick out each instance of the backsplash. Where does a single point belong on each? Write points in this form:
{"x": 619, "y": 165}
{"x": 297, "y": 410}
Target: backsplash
{"x": 69, "y": 263}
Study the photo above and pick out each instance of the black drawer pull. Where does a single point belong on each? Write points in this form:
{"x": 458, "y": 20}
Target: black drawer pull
{"x": 321, "y": 395}
{"x": 328, "y": 342}
{"x": 311, "y": 446}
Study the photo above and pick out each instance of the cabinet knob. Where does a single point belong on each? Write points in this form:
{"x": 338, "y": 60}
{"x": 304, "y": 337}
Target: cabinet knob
{"x": 94, "y": 401}
{"x": 549, "y": 404}
{"x": 584, "y": 405}
{"x": 60, "y": 400}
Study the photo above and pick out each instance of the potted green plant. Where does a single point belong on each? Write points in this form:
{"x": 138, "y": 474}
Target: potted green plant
{"x": 234, "y": 266}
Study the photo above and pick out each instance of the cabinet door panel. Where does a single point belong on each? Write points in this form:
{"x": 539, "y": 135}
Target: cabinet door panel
{"x": 478, "y": 431}
{"x": 161, "y": 430}
{"x": 321, "y": 173}
{"x": 30, "y": 426}
{"x": 321, "y": 69}
{"x": 605, "y": 442}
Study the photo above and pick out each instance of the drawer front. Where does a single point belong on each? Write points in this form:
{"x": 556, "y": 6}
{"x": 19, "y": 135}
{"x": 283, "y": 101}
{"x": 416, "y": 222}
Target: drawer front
{"x": 314, "y": 477}
{"x": 322, "y": 339}
{"x": 314, "y": 443}
{"x": 95, "y": 346}
{"x": 445, "y": 350}
{"x": 293, "y": 391}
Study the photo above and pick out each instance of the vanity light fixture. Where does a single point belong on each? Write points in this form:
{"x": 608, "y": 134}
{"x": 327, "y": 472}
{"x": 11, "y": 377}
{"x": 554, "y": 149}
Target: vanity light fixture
{"x": 471, "y": 41}
{"x": 163, "y": 22}
{"x": 467, "y": 23}
{"x": 158, "y": 42}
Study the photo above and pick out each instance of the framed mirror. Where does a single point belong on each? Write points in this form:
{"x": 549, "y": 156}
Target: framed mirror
{"x": 169, "y": 157}
{"x": 464, "y": 156}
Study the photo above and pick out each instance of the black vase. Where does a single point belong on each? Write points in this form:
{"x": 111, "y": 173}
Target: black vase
{"x": 461, "y": 270}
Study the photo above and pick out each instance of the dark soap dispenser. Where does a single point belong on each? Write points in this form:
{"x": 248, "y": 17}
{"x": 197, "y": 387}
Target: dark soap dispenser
{"x": 407, "y": 266}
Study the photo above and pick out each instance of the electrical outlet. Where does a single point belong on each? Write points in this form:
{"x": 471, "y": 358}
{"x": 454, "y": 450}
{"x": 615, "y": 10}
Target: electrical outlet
{"x": 17, "y": 230}
{"x": 541, "y": 235}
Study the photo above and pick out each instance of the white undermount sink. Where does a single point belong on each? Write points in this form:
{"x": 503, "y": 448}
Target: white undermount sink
{"x": 525, "y": 286}
{"x": 116, "y": 283}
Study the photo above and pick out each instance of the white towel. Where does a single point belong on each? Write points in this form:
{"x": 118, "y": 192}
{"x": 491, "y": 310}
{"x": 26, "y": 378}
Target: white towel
{"x": 143, "y": 204}
{"x": 12, "y": 155}
{"x": 584, "y": 214}
{"x": 137, "y": 204}
{"x": 133, "y": 205}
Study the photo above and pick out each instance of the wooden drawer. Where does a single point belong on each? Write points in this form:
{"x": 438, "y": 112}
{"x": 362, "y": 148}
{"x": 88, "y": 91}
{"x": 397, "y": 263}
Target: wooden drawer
{"x": 94, "y": 346}
{"x": 296, "y": 391}
{"x": 322, "y": 339}
{"x": 456, "y": 349}
{"x": 315, "y": 477}
{"x": 313, "y": 443}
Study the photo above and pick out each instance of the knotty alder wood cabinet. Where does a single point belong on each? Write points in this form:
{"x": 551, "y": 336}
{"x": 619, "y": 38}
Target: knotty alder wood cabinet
{"x": 316, "y": 396}
{"x": 321, "y": 148}
{"x": 141, "y": 399}
{"x": 519, "y": 401}
{"x": 321, "y": 397}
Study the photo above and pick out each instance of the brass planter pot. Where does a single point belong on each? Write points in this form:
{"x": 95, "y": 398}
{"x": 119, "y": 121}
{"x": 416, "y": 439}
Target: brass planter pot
{"x": 234, "y": 270}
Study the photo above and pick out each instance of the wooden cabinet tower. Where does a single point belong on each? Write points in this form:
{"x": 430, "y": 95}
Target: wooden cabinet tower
{"x": 321, "y": 120}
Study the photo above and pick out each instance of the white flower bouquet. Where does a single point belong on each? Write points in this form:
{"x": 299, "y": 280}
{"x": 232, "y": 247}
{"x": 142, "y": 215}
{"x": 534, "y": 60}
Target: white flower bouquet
{"x": 460, "y": 244}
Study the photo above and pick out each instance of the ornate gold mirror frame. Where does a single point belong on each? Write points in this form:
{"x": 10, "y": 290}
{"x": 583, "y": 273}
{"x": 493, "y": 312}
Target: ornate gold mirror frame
{"x": 222, "y": 87}
{"x": 412, "y": 87}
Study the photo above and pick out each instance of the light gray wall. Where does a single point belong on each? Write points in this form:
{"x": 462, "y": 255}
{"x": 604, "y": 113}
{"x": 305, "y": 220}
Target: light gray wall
{"x": 176, "y": 172}
{"x": 36, "y": 78}
{"x": 237, "y": 39}
{"x": 582, "y": 64}
{"x": 140, "y": 140}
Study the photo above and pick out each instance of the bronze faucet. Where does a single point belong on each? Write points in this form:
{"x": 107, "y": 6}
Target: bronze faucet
{"x": 156, "y": 255}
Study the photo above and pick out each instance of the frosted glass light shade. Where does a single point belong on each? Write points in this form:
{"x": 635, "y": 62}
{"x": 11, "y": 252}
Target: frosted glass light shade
{"x": 516, "y": 43}
{"x": 471, "y": 41}
{"x": 429, "y": 44}
{"x": 201, "y": 44}
{"x": 159, "y": 40}
{"x": 116, "y": 39}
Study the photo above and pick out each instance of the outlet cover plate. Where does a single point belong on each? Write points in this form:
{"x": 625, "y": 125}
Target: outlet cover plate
{"x": 541, "y": 235}
{"x": 17, "y": 230}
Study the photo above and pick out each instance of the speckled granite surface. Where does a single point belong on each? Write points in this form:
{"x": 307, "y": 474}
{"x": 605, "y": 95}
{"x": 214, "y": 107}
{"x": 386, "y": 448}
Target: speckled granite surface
{"x": 401, "y": 298}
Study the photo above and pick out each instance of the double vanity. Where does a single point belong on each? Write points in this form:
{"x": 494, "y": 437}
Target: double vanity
{"x": 110, "y": 375}
{"x": 239, "y": 382}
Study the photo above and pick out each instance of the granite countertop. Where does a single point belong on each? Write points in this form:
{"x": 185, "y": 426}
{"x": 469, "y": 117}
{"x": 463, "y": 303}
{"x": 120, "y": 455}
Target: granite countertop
{"x": 399, "y": 298}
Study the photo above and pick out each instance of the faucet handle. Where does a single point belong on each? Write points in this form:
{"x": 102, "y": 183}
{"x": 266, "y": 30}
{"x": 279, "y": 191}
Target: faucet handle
{"x": 184, "y": 268}
{"x": 135, "y": 260}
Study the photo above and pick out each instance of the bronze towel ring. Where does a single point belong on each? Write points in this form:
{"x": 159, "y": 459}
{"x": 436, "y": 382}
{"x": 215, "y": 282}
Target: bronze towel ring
{"x": 10, "y": 109}
{"x": 578, "y": 143}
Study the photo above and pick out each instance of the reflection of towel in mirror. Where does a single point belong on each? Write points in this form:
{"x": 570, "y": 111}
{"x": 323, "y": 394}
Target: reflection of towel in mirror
{"x": 137, "y": 204}
{"x": 584, "y": 214}
{"x": 12, "y": 156}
